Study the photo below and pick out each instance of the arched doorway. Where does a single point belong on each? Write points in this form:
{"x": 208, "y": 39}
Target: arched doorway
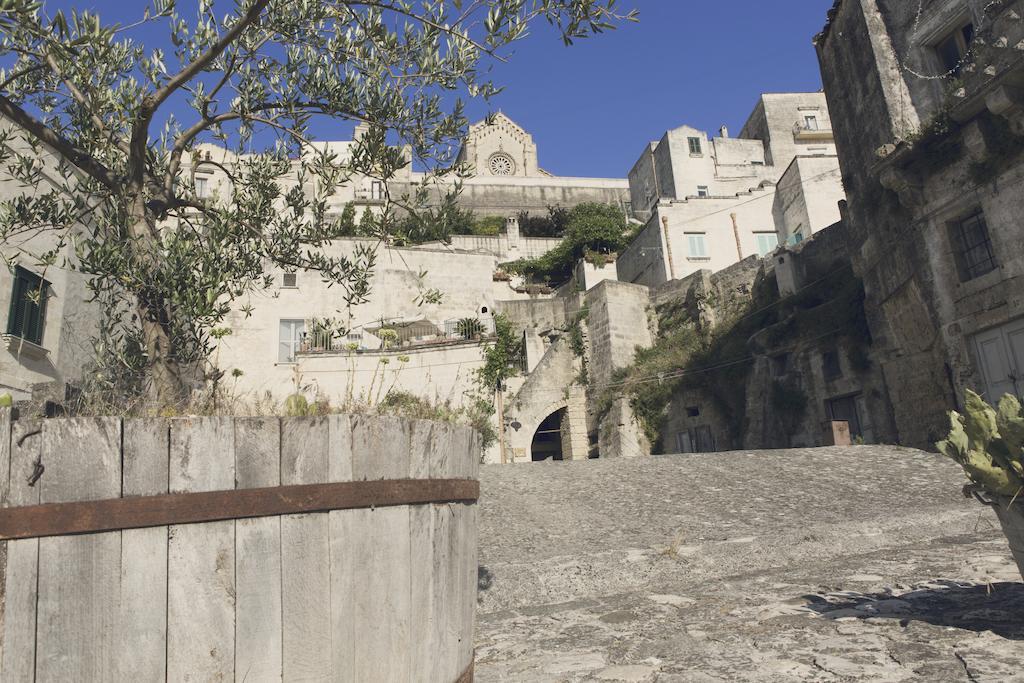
{"x": 547, "y": 440}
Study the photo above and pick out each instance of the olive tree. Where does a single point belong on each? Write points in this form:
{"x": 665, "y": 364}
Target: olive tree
{"x": 123, "y": 119}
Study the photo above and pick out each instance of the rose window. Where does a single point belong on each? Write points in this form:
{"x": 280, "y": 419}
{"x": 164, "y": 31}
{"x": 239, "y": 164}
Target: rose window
{"x": 502, "y": 164}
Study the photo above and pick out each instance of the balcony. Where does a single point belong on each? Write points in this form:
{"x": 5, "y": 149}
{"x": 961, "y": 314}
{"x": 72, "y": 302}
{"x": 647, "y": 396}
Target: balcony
{"x": 811, "y": 133}
{"x": 23, "y": 347}
{"x": 397, "y": 336}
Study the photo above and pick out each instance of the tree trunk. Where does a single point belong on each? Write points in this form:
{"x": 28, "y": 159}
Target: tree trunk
{"x": 164, "y": 382}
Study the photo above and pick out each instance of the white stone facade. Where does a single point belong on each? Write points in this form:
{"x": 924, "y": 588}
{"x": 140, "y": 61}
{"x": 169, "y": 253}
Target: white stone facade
{"x": 712, "y": 201}
{"x": 60, "y": 345}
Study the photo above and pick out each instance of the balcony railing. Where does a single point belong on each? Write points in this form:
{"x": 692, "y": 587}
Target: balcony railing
{"x": 803, "y": 131}
{"x": 396, "y": 335}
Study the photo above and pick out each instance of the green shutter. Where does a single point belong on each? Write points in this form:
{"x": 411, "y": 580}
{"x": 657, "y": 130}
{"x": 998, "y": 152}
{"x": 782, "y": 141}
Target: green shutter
{"x": 27, "y": 317}
{"x": 16, "y": 315}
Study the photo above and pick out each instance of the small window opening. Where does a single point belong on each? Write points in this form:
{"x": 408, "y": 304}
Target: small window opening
{"x": 972, "y": 247}
{"x": 954, "y": 48}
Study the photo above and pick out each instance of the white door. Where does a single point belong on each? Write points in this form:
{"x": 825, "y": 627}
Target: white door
{"x": 1001, "y": 355}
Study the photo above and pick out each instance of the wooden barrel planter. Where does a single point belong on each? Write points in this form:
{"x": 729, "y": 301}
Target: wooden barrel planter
{"x": 339, "y": 548}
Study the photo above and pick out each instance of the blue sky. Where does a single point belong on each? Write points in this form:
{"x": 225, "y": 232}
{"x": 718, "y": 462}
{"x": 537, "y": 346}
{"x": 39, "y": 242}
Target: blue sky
{"x": 593, "y": 106}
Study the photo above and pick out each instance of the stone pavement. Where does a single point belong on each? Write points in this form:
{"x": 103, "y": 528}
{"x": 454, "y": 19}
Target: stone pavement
{"x": 855, "y": 564}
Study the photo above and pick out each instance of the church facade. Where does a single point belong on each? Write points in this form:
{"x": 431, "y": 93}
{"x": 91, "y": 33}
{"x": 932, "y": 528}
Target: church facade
{"x": 506, "y": 177}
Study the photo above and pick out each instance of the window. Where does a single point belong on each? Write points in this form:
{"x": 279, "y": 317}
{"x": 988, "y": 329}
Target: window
{"x": 845, "y": 410}
{"x": 757, "y": 163}
{"x": 810, "y": 122}
{"x": 292, "y": 334}
{"x": 702, "y": 191}
{"x": 798, "y": 236}
{"x": 376, "y": 190}
{"x": 290, "y": 280}
{"x": 830, "y": 367}
{"x": 695, "y": 146}
{"x": 698, "y": 247}
{"x": 202, "y": 186}
{"x": 952, "y": 49}
{"x": 28, "y": 306}
{"x": 972, "y": 248}
{"x": 766, "y": 242}
{"x": 693, "y": 411}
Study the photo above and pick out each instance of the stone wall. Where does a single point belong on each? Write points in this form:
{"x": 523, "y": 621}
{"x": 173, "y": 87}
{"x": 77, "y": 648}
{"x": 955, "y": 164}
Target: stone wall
{"x": 616, "y": 325}
{"x": 926, "y": 312}
{"x": 620, "y": 435}
{"x": 792, "y": 359}
{"x": 548, "y": 389}
{"x": 399, "y": 279}
{"x": 645, "y": 261}
{"x": 499, "y": 196}
{"x": 807, "y": 198}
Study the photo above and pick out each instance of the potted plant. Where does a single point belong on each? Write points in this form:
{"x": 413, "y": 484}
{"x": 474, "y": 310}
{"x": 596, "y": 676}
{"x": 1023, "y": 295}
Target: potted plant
{"x": 989, "y": 445}
{"x": 469, "y": 328}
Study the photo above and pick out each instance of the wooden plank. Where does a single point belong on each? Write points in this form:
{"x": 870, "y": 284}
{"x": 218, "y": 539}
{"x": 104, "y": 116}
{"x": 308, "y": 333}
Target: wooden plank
{"x": 146, "y": 447}
{"x": 257, "y": 452}
{"x": 421, "y": 615}
{"x": 5, "y": 483}
{"x": 304, "y": 446}
{"x": 381, "y": 446}
{"x": 5, "y": 457}
{"x": 469, "y": 578}
{"x": 439, "y": 458}
{"x": 79, "y": 576}
{"x": 426, "y": 436}
{"x": 381, "y": 604}
{"x": 201, "y": 557}
{"x": 305, "y": 557}
{"x": 258, "y": 556}
{"x": 466, "y": 556}
{"x": 143, "y": 605}
{"x": 444, "y": 596}
{"x": 446, "y": 610}
{"x": 21, "y": 580}
{"x": 344, "y": 561}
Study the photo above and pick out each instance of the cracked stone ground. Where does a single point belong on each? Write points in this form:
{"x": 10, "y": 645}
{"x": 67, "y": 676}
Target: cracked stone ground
{"x": 855, "y": 564}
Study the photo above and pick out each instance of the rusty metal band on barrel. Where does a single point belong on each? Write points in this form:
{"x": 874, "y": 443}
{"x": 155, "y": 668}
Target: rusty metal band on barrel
{"x": 60, "y": 519}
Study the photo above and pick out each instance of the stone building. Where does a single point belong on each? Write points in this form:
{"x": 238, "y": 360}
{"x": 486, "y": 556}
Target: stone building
{"x": 49, "y": 317}
{"x": 507, "y": 179}
{"x": 928, "y": 115}
{"x": 709, "y": 202}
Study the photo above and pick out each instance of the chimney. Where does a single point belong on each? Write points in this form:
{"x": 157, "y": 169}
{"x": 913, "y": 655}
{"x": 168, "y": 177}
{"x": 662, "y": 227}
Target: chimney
{"x": 723, "y": 132}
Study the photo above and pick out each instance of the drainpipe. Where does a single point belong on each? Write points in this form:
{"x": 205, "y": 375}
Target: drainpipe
{"x": 736, "y": 234}
{"x": 668, "y": 249}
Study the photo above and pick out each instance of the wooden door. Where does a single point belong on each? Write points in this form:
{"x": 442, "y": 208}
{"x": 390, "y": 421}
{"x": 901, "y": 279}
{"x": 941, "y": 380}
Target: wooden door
{"x": 1001, "y": 361}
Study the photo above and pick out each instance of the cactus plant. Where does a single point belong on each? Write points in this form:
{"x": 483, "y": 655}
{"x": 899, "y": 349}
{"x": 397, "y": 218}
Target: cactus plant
{"x": 989, "y": 444}
{"x": 296, "y": 405}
